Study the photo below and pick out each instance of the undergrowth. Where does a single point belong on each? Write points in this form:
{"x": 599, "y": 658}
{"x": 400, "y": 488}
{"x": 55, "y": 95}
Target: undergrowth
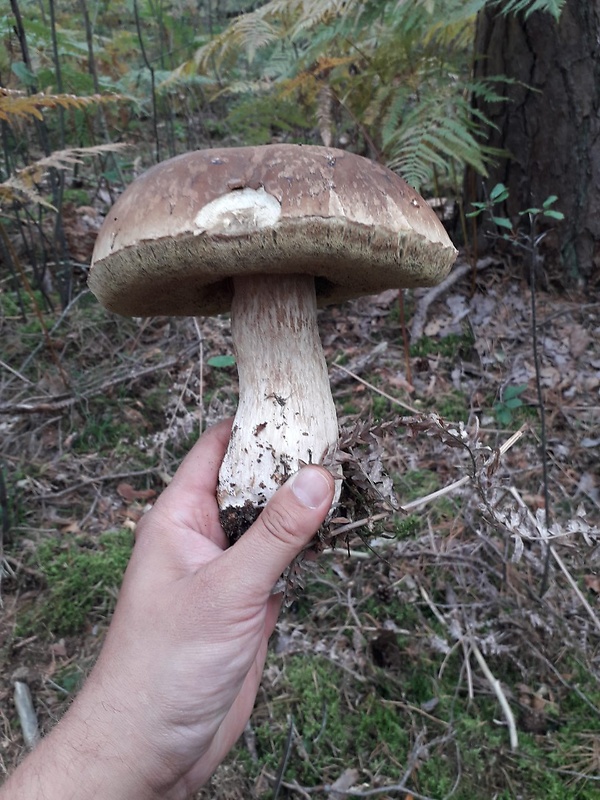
{"x": 82, "y": 579}
{"x": 372, "y": 669}
{"x": 395, "y": 708}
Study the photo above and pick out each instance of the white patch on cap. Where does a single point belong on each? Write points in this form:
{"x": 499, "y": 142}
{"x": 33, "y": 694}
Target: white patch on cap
{"x": 237, "y": 212}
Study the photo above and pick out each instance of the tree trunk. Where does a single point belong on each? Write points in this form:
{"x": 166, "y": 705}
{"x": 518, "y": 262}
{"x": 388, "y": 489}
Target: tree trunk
{"x": 550, "y": 124}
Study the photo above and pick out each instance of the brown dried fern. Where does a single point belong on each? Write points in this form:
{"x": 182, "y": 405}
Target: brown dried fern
{"x": 23, "y": 186}
{"x": 20, "y": 105}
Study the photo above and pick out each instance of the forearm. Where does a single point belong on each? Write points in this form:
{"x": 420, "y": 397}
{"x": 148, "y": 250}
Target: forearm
{"x": 74, "y": 764}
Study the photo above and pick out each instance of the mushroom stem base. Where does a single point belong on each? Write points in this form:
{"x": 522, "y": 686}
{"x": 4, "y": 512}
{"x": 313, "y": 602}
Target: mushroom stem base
{"x": 286, "y": 415}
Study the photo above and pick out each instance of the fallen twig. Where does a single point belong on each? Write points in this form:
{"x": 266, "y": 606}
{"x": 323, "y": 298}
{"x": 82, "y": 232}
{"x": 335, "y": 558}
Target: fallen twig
{"x": 327, "y": 789}
{"x": 15, "y": 372}
{"x": 543, "y": 533}
{"x": 499, "y": 692}
{"x": 115, "y": 476}
{"x": 358, "y": 364}
{"x": 44, "y": 405}
{"x": 492, "y": 680}
{"x": 278, "y": 781}
{"x": 420, "y": 315}
{"x": 27, "y": 715}
{"x": 379, "y": 391}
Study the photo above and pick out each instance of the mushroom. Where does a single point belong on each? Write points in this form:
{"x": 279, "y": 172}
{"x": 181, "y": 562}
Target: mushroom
{"x": 269, "y": 233}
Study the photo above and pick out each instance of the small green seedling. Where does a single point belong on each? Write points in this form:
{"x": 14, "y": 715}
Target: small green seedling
{"x": 498, "y": 195}
{"x": 510, "y": 402}
{"x": 545, "y": 210}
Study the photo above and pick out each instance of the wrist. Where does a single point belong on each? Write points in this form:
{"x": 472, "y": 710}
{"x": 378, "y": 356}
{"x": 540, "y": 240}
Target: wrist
{"x": 73, "y": 762}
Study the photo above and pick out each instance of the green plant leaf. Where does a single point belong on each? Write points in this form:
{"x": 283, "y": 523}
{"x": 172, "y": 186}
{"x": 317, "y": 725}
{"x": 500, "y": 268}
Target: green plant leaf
{"x": 549, "y": 201}
{"x": 478, "y": 208}
{"x": 499, "y": 193}
{"x": 533, "y": 211}
{"x": 514, "y": 391}
{"x": 502, "y": 222}
{"x": 514, "y": 402}
{"x": 503, "y": 414}
{"x": 25, "y": 75}
{"x": 220, "y": 362}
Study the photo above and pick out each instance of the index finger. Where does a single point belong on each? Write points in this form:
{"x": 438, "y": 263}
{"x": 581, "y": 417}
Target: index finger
{"x": 196, "y": 478}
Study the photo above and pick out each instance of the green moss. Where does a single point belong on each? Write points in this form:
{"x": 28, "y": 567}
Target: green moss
{"x": 350, "y": 408}
{"x": 403, "y": 614}
{"x": 82, "y": 580}
{"x": 451, "y": 346}
{"x": 102, "y": 433}
{"x": 417, "y": 483}
{"x": 453, "y": 405}
{"x": 406, "y": 527}
{"x": 340, "y": 722}
{"x": 380, "y": 407}
{"x": 332, "y": 733}
{"x": 69, "y": 679}
{"x": 77, "y": 196}
{"x": 12, "y": 304}
{"x": 105, "y": 428}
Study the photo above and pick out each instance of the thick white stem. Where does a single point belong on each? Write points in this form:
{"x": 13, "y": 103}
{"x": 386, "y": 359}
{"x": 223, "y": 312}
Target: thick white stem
{"x": 286, "y": 415}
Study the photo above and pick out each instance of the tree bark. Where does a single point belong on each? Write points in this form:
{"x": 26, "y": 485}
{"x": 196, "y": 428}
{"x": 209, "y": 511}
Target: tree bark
{"x": 549, "y": 125}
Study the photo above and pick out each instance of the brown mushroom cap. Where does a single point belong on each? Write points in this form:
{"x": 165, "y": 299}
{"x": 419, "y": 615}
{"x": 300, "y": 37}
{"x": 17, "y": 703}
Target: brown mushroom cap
{"x": 183, "y": 229}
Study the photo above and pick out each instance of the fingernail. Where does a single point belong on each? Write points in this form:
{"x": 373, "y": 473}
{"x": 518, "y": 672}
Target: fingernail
{"x": 311, "y": 487}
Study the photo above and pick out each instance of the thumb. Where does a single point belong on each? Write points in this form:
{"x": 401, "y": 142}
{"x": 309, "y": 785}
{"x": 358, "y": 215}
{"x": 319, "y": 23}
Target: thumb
{"x": 286, "y": 525}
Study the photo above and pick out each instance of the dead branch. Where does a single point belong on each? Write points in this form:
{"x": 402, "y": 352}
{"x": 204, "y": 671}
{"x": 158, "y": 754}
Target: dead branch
{"x": 379, "y": 391}
{"x": 499, "y": 692}
{"x": 45, "y": 405}
{"x": 422, "y": 501}
{"x": 115, "y": 476}
{"x": 544, "y": 535}
{"x": 26, "y": 712}
{"x": 420, "y": 315}
{"x": 328, "y": 789}
{"x": 457, "y": 634}
{"x": 358, "y": 364}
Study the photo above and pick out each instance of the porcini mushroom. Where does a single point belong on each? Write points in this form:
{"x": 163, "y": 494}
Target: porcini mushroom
{"x": 269, "y": 233}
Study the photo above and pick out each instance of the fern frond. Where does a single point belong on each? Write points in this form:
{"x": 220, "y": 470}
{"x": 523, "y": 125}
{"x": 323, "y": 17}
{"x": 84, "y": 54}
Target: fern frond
{"x": 455, "y": 12}
{"x": 19, "y": 105}
{"x": 274, "y": 21}
{"x": 313, "y": 13}
{"x": 308, "y": 79}
{"x": 247, "y": 33}
{"x": 23, "y": 186}
{"x": 399, "y": 70}
{"x": 174, "y": 80}
{"x": 304, "y": 82}
{"x": 553, "y": 7}
{"x": 446, "y": 14}
{"x": 14, "y": 191}
{"x": 432, "y": 137}
{"x": 62, "y": 159}
{"x": 256, "y": 88}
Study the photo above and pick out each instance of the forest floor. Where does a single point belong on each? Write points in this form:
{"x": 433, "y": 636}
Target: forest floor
{"x": 422, "y": 643}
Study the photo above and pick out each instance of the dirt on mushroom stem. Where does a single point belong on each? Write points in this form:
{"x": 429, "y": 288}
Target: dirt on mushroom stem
{"x": 286, "y": 415}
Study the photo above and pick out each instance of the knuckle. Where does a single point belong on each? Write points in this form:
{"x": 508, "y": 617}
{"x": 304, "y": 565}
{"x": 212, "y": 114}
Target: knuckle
{"x": 278, "y": 523}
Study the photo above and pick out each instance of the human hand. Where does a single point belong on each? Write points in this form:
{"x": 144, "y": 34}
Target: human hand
{"x": 177, "y": 677}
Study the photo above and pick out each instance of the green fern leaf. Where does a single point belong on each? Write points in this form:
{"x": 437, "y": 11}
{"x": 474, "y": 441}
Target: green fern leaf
{"x": 553, "y": 7}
